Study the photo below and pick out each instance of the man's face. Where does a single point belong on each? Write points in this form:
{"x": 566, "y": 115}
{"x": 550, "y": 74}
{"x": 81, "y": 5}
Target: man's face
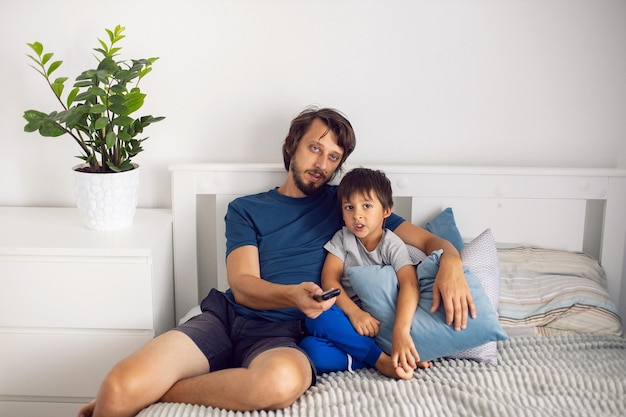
{"x": 317, "y": 157}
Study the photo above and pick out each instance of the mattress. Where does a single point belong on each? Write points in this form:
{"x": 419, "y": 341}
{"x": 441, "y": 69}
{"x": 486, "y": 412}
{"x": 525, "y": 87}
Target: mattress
{"x": 565, "y": 375}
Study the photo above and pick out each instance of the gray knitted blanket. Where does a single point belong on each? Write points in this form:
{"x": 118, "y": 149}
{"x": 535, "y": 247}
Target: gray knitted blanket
{"x": 576, "y": 375}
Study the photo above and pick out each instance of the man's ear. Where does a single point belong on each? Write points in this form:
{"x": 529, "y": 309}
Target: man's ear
{"x": 286, "y": 145}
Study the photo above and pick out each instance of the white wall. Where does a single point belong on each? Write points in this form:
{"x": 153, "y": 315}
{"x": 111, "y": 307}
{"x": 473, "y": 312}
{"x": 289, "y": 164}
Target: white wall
{"x": 502, "y": 82}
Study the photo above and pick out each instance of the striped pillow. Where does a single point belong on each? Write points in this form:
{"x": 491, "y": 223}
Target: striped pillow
{"x": 549, "y": 292}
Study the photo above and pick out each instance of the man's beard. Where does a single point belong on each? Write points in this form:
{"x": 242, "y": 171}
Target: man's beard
{"x": 310, "y": 189}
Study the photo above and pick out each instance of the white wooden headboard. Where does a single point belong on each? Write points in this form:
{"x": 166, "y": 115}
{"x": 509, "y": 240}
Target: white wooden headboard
{"x": 558, "y": 208}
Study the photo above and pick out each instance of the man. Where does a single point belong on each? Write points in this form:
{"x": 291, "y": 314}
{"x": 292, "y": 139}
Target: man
{"x": 242, "y": 352}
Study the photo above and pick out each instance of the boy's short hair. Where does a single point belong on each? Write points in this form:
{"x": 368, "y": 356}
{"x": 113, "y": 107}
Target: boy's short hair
{"x": 366, "y": 181}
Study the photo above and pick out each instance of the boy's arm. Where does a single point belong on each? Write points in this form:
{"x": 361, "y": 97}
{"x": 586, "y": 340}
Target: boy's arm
{"x": 450, "y": 284}
{"x": 363, "y": 322}
{"x": 403, "y": 347}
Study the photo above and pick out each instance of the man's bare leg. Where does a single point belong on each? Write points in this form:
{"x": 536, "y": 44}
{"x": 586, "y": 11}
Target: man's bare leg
{"x": 275, "y": 379}
{"x": 143, "y": 377}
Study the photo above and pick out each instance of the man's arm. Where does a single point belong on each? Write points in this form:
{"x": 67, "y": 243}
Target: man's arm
{"x": 243, "y": 271}
{"x": 450, "y": 284}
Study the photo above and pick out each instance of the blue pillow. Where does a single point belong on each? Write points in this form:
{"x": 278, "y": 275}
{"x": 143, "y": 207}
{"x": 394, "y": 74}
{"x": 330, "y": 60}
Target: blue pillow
{"x": 377, "y": 287}
{"x": 444, "y": 226}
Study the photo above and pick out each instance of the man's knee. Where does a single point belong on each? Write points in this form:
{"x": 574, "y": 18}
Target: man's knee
{"x": 119, "y": 391}
{"x": 282, "y": 379}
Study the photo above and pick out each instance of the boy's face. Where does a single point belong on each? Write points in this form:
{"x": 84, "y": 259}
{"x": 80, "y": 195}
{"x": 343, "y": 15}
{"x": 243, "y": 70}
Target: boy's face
{"x": 364, "y": 214}
{"x": 317, "y": 157}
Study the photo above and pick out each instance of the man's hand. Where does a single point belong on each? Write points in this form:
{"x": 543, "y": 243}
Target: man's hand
{"x": 303, "y": 297}
{"x": 451, "y": 287}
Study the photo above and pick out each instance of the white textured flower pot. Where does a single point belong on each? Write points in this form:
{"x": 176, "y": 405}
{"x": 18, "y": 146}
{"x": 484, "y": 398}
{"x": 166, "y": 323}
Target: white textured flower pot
{"x": 106, "y": 201}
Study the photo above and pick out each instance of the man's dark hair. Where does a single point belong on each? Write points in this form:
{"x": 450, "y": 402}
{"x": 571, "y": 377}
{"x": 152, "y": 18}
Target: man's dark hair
{"x": 336, "y": 123}
{"x": 366, "y": 181}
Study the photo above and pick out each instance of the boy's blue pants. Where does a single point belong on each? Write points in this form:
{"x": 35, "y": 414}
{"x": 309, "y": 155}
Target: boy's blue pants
{"x": 332, "y": 338}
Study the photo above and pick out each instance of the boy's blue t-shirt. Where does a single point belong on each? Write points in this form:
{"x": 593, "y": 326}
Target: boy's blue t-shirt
{"x": 290, "y": 234}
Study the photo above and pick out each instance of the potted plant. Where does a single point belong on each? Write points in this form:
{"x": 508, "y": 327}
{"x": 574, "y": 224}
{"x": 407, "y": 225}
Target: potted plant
{"x": 98, "y": 114}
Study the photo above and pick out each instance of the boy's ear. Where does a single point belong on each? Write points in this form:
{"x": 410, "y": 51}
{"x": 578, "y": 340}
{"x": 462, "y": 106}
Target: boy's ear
{"x": 387, "y": 212}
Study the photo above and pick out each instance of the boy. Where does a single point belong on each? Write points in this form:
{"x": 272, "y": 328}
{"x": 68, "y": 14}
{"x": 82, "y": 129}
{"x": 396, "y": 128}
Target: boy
{"x": 341, "y": 337}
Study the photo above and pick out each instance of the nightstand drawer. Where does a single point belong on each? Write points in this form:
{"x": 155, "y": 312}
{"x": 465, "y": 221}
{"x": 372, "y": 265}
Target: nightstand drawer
{"x": 74, "y": 302}
{"x": 37, "y": 409}
{"x": 76, "y": 292}
{"x": 61, "y": 364}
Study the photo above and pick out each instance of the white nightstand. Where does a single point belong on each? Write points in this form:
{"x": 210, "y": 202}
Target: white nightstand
{"x": 73, "y": 302}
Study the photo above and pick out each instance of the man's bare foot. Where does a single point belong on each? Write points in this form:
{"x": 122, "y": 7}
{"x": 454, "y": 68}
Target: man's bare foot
{"x": 87, "y": 410}
{"x": 385, "y": 366}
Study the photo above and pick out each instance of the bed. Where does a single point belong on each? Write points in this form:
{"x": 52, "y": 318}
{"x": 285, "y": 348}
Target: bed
{"x": 550, "y": 244}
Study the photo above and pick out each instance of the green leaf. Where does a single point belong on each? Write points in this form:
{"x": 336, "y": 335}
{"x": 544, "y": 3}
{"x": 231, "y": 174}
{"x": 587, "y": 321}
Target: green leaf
{"x": 46, "y": 58}
{"x": 97, "y": 108}
{"x": 118, "y": 88}
{"x": 35, "y": 119}
{"x": 124, "y": 75}
{"x": 145, "y": 72}
{"x": 75, "y": 116}
{"x": 111, "y": 139}
{"x": 85, "y": 83}
{"x": 134, "y": 100}
{"x": 72, "y": 96}
{"x": 57, "y": 87}
{"x": 111, "y": 35}
{"x": 105, "y": 47}
{"x": 97, "y": 91}
{"x": 116, "y": 99}
{"x": 43, "y": 74}
{"x": 124, "y": 136}
{"x": 101, "y": 123}
{"x": 85, "y": 95}
{"x": 37, "y": 47}
{"x": 108, "y": 65}
{"x": 119, "y": 109}
{"x": 50, "y": 129}
{"x": 118, "y": 33}
{"x": 113, "y": 167}
{"x": 34, "y": 59}
{"x": 54, "y": 66}
{"x": 122, "y": 121}
{"x": 147, "y": 120}
{"x": 102, "y": 51}
{"x": 126, "y": 165}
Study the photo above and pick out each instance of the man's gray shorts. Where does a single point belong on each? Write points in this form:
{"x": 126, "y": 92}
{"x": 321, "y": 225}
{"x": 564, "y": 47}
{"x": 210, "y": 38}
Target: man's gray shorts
{"x": 229, "y": 340}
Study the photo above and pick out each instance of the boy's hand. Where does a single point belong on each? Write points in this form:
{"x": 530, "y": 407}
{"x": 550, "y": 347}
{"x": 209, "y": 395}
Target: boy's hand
{"x": 364, "y": 323}
{"x": 403, "y": 352}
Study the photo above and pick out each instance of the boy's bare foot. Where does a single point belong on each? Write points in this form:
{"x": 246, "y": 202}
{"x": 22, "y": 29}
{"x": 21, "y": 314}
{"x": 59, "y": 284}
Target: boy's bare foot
{"x": 385, "y": 367}
{"x": 87, "y": 410}
{"x": 424, "y": 365}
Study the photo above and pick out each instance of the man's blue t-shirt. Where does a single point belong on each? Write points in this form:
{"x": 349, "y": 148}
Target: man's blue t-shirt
{"x": 290, "y": 234}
